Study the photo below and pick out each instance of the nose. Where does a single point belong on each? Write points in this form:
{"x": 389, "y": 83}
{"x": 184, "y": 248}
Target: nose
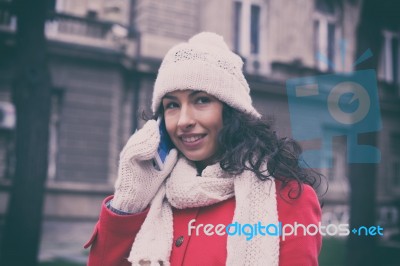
{"x": 186, "y": 118}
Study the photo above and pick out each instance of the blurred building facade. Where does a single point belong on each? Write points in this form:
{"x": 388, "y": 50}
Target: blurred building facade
{"x": 104, "y": 56}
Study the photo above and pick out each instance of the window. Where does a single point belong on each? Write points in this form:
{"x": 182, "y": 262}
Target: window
{"x": 326, "y": 30}
{"x": 249, "y": 34}
{"x": 247, "y": 27}
{"x": 236, "y": 25}
{"x": 255, "y": 29}
{"x": 391, "y": 59}
{"x": 331, "y": 44}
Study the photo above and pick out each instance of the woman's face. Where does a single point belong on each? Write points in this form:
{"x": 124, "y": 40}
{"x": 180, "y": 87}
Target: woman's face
{"x": 193, "y": 120}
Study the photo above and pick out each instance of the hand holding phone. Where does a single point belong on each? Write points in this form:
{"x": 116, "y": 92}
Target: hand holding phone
{"x": 138, "y": 180}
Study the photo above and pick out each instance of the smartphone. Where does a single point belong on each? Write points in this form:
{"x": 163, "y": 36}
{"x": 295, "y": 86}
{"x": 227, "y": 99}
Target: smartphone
{"x": 165, "y": 145}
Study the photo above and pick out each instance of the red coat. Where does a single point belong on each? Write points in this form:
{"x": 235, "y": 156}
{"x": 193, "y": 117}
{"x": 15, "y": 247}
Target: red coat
{"x": 114, "y": 234}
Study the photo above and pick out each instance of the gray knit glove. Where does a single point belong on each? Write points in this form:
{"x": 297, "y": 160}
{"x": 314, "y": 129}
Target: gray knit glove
{"x": 138, "y": 180}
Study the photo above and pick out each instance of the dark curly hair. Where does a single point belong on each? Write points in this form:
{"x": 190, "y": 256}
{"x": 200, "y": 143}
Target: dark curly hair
{"x": 246, "y": 143}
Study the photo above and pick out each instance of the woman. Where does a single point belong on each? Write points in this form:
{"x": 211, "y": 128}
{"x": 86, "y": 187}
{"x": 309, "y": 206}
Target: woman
{"x": 227, "y": 179}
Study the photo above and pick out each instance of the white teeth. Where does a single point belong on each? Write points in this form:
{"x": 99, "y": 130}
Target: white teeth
{"x": 191, "y": 139}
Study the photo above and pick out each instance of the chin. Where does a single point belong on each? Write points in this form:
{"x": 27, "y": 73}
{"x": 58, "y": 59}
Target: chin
{"x": 195, "y": 157}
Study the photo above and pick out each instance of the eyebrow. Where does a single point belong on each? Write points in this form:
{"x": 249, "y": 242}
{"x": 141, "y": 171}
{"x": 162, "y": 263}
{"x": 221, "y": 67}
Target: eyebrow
{"x": 171, "y": 97}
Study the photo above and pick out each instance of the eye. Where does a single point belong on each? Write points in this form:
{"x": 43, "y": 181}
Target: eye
{"x": 170, "y": 105}
{"x": 203, "y": 100}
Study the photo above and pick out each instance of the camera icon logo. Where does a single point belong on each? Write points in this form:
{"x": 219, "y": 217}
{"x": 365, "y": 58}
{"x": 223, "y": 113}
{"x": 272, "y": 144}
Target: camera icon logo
{"x": 359, "y": 94}
{"x": 322, "y": 107}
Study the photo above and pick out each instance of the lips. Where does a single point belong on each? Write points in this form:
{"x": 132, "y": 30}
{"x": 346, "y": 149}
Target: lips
{"x": 191, "y": 139}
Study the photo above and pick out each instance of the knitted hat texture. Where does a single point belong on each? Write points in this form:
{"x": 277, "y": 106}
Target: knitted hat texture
{"x": 204, "y": 63}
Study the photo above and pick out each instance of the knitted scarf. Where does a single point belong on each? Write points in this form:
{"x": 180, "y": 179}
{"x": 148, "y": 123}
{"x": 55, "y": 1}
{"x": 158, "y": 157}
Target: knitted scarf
{"x": 255, "y": 201}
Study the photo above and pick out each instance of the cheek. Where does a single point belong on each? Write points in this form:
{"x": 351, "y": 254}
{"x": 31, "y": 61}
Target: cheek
{"x": 218, "y": 121}
{"x": 169, "y": 125}
{"x": 218, "y": 128}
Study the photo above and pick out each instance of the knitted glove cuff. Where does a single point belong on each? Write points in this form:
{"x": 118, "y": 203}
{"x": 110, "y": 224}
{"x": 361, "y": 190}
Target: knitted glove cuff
{"x": 114, "y": 210}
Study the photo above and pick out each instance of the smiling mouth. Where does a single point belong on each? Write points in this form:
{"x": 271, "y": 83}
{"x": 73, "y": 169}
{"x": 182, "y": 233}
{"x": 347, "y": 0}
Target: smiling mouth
{"x": 192, "y": 138}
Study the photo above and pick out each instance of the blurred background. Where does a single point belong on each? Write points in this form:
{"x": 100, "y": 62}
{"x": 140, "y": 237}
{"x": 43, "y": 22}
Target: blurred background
{"x": 79, "y": 73}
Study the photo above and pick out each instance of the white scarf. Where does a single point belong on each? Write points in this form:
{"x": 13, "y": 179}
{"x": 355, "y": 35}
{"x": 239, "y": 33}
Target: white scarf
{"x": 255, "y": 201}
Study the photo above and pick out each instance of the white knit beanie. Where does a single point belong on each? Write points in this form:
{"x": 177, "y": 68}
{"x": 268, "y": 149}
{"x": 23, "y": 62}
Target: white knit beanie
{"x": 205, "y": 63}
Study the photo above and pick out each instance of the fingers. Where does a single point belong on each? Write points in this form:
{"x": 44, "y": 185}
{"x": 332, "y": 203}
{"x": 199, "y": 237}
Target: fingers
{"x": 143, "y": 144}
